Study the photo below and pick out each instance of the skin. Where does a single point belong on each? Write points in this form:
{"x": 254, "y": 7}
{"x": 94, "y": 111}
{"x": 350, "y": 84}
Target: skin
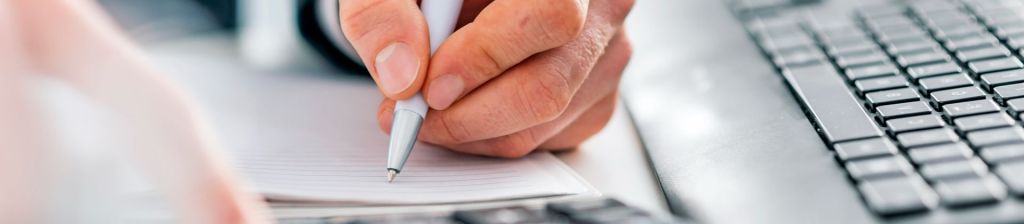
{"x": 531, "y": 74}
{"x": 74, "y": 42}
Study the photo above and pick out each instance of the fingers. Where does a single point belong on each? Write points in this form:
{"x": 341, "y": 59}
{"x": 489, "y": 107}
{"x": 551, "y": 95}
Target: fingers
{"x": 390, "y": 37}
{"x": 586, "y": 125}
{"x": 582, "y": 119}
{"x": 533, "y": 92}
{"x": 505, "y": 33}
{"x": 75, "y": 40}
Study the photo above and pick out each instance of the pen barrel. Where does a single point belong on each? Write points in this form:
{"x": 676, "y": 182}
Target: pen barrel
{"x": 404, "y": 128}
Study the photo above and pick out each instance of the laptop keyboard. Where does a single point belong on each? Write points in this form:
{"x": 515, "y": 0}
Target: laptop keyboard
{"x": 921, "y": 102}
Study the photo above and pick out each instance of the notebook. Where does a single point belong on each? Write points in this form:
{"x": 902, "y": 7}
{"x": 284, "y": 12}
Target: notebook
{"x": 315, "y": 138}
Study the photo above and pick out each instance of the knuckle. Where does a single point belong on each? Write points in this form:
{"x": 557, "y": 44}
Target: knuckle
{"x": 548, "y": 96}
{"x": 515, "y": 145}
{"x": 562, "y": 20}
{"x": 361, "y": 18}
{"x": 451, "y": 131}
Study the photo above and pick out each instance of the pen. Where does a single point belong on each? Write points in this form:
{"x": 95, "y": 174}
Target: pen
{"x": 441, "y": 16}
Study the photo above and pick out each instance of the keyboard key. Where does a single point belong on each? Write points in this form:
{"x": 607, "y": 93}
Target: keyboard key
{"x": 581, "y": 208}
{"x": 1016, "y": 105}
{"x": 892, "y": 96}
{"x": 867, "y": 148}
{"x": 972, "y": 191}
{"x": 998, "y": 136}
{"x": 871, "y": 71}
{"x": 1013, "y": 176}
{"x": 922, "y": 58}
{"x": 503, "y": 215}
{"x": 799, "y": 57}
{"x": 859, "y": 60}
{"x": 892, "y": 166}
{"x": 777, "y": 45}
{"x": 1001, "y": 78}
{"x": 914, "y": 123}
{"x": 900, "y": 195}
{"x": 1010, "y": 91}
{"x": 852, "y": 49}
{"x": 957, "y": 95}
{"x": 883, "y": 83}
{"x": 834, "y": 108}
{"x": 927, "y": 137}
{"x": 945, "y": 82}
{"x": 983, "y": 53}
{"x": 614, "y": 215}
{"x": 940, "y": 153}
{"x": 918, "y": 72}
{"x": 1003, "y": 153}
{"x": 969, "y": 168}
{"x": 994, "y": 65}
{"x": 912, "y": 47}
{"x": 984, "y": 121}
{"x": 904, "y": 109}
{"x": 970, "y": 108}
{"x": 971, "y": 43}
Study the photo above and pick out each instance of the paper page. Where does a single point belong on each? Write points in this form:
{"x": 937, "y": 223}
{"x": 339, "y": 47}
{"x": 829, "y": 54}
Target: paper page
{"x": 316, "y": 138}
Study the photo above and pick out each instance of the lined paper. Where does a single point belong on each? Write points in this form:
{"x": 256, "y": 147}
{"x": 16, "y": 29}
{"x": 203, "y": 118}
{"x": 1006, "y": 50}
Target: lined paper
{"x": 316, "y": 139}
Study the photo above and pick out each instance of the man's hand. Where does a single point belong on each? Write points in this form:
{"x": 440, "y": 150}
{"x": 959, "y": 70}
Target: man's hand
{"x": 519, "y": 75}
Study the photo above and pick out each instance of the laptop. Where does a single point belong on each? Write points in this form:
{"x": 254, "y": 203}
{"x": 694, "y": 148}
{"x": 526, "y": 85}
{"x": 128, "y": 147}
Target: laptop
{"x": 830, "y": 111}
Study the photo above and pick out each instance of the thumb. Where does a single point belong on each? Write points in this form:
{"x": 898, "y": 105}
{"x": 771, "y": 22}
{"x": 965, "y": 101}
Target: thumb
{"x": 390, "y": 37}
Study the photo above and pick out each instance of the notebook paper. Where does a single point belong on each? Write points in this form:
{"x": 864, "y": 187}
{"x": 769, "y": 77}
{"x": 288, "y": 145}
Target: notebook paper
{"x": 316, "y": 139}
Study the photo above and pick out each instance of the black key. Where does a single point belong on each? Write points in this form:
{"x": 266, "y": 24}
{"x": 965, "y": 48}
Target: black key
{"x": 982, "y": 53}
{"x": 994, "y": 65}
{"x": 892, "y": 96}
{"x": 927, "y": 137}
{"x": 940, "y": 153}
{"x": 922, "y": 58}
{"x": 983, "y": 121}
{"x": 1003, "y": 153}
{"x": 1011, "y": 173}
{"x": 1001, "y": 78}
{"x": 1010, "y": 91}
{"x": 874, "y": 84}
{"x": 871, "y": 71}
{"x": 998, "y": 136}
{"x": 914, "y": 123}
{"x": 799, "y": 57}
{"x": 872, "y": 58}
{"x": 503, "y": 215}
{"x": 1016, "y": 105}
{"x": 867, "y": 148}
{"x": 832, "y": 105}
{"x": 945, "y": 82}
{"x": 957, "y": 95}
{"x": 970, "y": 108}
{"x": 918, "y": 72}
{"x": 891, "y": 166}
{"x": 971, "y": 43}
{"x": 582, "y": 207}
{"x": 613, "y": 215}
{"x": 900, "y": 195}
{"x": 903, "y": 109}
{"x": 972, "y": 191}
{"x": 969, "y": 168}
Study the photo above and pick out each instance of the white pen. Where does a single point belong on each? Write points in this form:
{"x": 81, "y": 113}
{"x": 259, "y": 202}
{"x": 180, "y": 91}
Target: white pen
{"x": 441, "y": 16}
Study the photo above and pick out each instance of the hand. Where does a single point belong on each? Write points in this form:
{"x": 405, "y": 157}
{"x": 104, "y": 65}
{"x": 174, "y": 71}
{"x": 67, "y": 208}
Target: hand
{"x": 72, "y": 41}
{"x": 519, "y": 75}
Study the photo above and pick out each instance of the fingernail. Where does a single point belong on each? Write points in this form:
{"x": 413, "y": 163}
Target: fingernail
{"x": 397, "y": 67}
{"x": 443, "y": 91}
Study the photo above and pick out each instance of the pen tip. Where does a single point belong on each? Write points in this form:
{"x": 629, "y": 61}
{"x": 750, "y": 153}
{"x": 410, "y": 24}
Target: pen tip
{"x": 391, "y": 175}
